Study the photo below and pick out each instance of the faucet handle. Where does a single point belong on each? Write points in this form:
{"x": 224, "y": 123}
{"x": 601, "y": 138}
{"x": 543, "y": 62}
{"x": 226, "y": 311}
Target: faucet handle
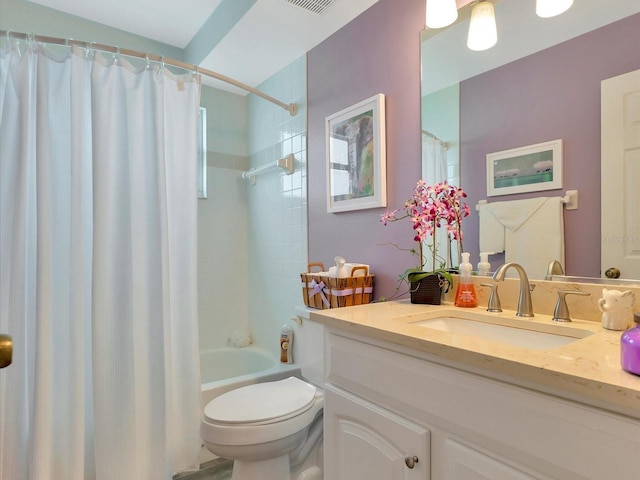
{"x": 561, "y": 313}
{"x": 494, "y": 300}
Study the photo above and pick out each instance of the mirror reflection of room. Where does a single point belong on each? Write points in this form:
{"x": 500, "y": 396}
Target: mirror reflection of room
{"x": 541, "y": 81}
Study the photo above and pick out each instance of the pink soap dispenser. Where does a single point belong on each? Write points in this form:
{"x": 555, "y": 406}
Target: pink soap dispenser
{"x": 466, "y": 292}
{"x": 630, "y": 347}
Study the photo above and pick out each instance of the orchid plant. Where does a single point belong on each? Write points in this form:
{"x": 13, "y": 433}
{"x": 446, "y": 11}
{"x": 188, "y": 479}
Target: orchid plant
{"x": 430, "y": 208}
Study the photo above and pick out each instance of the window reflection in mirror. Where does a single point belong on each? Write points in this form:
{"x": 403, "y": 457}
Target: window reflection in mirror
{"x": 202, "y": 153}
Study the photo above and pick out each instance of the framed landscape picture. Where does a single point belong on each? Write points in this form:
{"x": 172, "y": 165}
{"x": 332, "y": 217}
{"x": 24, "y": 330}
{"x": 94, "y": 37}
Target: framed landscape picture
{"x": 356, "y": 157}
{"x": 526, "y": 169}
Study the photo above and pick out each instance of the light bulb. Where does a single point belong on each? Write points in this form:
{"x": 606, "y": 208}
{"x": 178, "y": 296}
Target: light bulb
{"x": 482, "y": 28}
{"x": 551, "y": 8}
{"x": 441, "y": 13}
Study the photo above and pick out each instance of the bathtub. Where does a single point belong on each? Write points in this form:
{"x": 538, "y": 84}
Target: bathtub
{"x": 224, "y": 369}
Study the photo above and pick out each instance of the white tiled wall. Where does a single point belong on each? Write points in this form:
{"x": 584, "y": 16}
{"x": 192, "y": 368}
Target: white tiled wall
{"x": 223, "y": 221}
{"x": 223, "y": 258}
{"x": 277, "y": 206}
{"x": 253, "y": 238}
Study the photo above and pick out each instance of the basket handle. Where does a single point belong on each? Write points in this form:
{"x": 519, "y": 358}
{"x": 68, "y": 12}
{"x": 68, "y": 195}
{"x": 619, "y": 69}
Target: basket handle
{"x": 360, "y": 267}
{"x": 315, "y": 264}
{"x": 356, "y": 282}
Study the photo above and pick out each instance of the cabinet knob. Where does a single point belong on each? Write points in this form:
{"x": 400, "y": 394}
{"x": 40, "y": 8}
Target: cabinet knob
{"x": 410, "y": 461}
{"x": 6, "y": 350}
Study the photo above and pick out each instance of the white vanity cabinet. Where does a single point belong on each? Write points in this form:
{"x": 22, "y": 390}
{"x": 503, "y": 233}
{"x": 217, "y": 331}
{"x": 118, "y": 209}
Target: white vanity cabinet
{"x": 372, "y": 443}
{"x": 386, "y": 404}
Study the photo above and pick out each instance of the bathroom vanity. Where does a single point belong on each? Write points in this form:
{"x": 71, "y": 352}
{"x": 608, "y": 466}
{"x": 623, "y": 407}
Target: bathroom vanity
{"x": 410, "y": 394}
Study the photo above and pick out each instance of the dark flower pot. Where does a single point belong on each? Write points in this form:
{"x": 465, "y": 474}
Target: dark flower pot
{"x": 428, "y": 290}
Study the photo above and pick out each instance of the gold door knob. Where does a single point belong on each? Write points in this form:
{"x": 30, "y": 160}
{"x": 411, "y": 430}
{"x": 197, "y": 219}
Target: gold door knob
{"x": 612, "y": 272}
{"x": 6, "y": 350}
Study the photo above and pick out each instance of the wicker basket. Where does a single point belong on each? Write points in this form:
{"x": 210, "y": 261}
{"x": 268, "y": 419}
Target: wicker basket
{"x": 323, "y": 292}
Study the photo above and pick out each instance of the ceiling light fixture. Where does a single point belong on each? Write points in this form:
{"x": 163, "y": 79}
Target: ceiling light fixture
{"x": 551, "y": 8}
{"x": 441, "y": 13}
{"x": 483, "y": 33}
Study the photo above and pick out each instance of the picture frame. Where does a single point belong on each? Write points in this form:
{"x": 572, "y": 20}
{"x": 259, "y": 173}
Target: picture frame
{"x": 525, "y": 169}
{"x": 356, "y": 157}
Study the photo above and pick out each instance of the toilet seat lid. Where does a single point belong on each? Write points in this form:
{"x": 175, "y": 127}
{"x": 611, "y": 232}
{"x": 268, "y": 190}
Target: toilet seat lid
{"x": 261, "y": 402}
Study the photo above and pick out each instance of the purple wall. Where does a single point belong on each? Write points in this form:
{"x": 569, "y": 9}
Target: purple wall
{"x": 378, "y": 52}
{"x": 551, "y": 94}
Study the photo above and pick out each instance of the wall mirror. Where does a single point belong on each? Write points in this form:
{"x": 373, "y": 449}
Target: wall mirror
{"x": 456, "y": 82}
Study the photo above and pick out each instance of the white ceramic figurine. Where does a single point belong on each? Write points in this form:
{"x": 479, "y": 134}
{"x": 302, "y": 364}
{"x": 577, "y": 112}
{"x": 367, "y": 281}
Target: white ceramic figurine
{"x": 617, "y": 309}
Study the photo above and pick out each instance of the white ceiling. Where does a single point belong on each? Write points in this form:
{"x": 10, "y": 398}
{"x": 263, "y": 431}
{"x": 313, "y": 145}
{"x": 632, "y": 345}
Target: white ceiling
{"x": 521, "y": 32}
{"x": 268, "y": 37}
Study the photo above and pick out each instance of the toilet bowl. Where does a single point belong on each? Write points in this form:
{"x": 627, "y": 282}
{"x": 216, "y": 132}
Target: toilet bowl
{"x": 269, "y": 429}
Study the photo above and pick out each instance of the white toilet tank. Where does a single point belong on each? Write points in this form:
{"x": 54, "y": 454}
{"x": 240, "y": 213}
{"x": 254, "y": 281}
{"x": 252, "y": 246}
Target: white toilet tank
{"x": 308, "y": 349}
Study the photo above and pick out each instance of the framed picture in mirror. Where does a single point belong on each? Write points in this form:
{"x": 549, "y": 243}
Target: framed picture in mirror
{"x": 525, "y": 169}
{"x": 356, "y": 157}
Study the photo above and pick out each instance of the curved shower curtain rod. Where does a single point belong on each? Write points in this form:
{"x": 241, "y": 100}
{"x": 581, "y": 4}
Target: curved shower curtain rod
{"x": 431, "y": 135}
{"x": 290, "y": 107}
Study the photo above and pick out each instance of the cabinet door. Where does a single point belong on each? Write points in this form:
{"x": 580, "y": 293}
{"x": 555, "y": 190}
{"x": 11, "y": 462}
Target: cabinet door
{"x": 461, "y": 462}
{"x": 366, "y": 442}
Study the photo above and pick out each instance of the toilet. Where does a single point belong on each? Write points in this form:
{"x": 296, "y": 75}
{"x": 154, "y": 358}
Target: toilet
{"x": 271, "y": 430}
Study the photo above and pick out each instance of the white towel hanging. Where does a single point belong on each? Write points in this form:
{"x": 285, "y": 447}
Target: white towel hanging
{"x": 532, "y": 231}
{"x": 491, "y": 230}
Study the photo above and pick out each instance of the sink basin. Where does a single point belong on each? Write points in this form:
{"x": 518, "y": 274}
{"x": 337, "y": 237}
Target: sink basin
{"x": 518, "y": 333}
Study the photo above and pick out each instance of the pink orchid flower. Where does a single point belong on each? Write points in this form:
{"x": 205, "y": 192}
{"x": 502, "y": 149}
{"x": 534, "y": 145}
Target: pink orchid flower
{"x": 431, "y": 207}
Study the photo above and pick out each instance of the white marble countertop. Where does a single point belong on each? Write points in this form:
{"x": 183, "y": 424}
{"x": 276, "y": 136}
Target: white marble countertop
{"x": 586, "y": 370}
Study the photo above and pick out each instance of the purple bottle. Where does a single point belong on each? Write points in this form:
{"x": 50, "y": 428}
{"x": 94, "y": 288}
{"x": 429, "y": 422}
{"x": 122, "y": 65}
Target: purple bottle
{"x": 630, "y": 347}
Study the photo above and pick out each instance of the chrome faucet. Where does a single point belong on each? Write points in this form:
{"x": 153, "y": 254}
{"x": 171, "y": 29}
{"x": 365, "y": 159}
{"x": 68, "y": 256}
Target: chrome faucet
{"x": 554, "y": 268}
{"x": 525, "y": 308}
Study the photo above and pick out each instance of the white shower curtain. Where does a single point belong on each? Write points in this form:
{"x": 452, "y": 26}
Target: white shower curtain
{"x": 97, "y": 267}
{"x": 435, "y": 170}
{"x": 434, "y": 159}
